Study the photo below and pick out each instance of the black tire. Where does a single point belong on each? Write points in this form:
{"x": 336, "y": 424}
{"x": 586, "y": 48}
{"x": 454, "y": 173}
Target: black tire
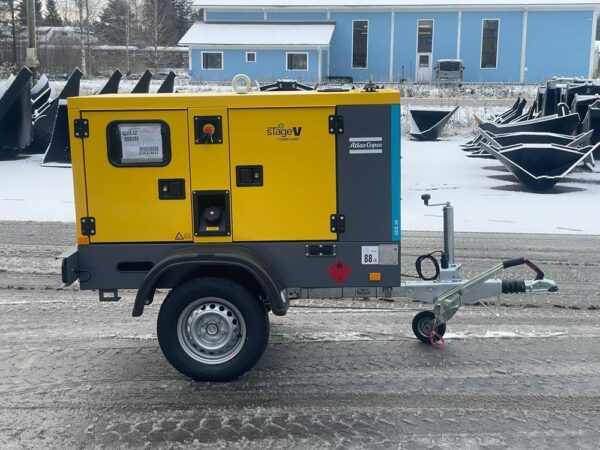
{"x": 422, "y": 324}
{"x": 212, "y": 304}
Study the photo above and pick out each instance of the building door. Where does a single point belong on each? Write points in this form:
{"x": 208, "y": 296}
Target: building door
{"x": 424, "y": 51}
{"x": 424, "y": 68}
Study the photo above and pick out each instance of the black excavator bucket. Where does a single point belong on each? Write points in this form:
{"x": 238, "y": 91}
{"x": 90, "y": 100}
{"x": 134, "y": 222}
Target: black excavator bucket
{"x": 40, "y": 93}
{"x": 592, "y": 122}
{"x": 143, "y": 85}
{"x": 427, "y": 124}
{"x": 540, "y": 166}
{"x": 566, "y": 124}
{"x": 59, "y": 150}
{"x": 167, "y": 86}
{"x": 55, "y": 127}
{"x": 15, "y": 116}
{"x": 112, "y": 85}
{"x": 44, "y": 120}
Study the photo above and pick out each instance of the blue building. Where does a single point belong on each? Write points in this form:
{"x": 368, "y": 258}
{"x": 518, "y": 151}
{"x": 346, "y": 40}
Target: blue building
{"x": 511, "y": 41}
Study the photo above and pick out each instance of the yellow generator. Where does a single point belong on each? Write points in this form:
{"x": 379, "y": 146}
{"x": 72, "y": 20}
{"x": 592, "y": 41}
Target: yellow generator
{"x": 239, "y": 203}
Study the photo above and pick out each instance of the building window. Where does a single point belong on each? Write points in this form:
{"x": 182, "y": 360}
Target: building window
{"x": 425, "y": 37}
{"x": 212, "y": 60}
{"x": 250, "y": 57}
{"x": 360, "y": 41}
{"x": 297, "y": 61}
{"x": 489, "y": 44}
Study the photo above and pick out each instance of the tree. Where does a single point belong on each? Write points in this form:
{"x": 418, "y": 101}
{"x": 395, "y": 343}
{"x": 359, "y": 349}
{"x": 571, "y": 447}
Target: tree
{"x": 160, "y": 28}
{"x": 22, "y": 9}
{"x": 52, "y": 18}
{"x": 114, "y": 22}
{"x": 184, "y": 16}
{"x": 87, "y": 12}
{"x": 8, "y": 10}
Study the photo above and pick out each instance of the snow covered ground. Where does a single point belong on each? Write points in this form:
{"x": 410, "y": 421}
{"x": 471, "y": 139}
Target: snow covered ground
{"x": 485, "y": 195}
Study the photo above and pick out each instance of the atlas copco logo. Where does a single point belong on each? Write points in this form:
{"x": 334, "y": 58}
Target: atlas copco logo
{"x": 283, "y": 133}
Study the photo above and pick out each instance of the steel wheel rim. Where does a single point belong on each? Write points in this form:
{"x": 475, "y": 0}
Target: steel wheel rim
{"x": 425, "y": 326}
{"x": 211, "y": 330}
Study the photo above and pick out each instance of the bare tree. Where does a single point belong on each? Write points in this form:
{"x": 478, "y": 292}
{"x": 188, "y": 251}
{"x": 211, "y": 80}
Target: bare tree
{"x": 66, "y": 11}
{"x": 87, "y": 12}
{"x": 80, "y": 10}
{"x": 159, "y": 23}
{"x": 12, "y": 17}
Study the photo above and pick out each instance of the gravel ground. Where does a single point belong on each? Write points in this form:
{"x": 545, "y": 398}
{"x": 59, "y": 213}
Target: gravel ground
{"x": 75, "y": 373}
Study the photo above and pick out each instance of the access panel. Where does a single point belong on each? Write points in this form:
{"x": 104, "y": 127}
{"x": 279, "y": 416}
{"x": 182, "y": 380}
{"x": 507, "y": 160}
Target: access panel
{"x": 138, "y": 176}
{"x": 285, "y": 174}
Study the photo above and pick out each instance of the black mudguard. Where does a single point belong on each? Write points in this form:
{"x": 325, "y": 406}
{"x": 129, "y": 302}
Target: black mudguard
{"x": 216, "y": 256}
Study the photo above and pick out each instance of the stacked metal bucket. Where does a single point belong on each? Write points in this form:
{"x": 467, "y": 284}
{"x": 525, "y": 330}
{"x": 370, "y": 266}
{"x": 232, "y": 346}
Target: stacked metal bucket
{"x": 32, "y": 121}
{"x": 541, "y": 146}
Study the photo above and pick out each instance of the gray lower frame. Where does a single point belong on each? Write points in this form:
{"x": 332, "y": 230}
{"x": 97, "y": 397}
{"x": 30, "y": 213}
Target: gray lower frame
{"x": 98, "y": 264}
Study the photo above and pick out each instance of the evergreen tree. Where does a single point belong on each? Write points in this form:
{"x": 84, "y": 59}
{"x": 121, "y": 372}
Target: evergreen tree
{"x": 52, "y": 18}
{"x": 185, "y": 16}
{"x": 22, "y": 10}
{"x": 113, "y": 25}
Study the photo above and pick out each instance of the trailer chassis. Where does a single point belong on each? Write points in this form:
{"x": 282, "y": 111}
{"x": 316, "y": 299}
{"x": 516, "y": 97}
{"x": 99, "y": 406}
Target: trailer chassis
{"x": 449, "y": 291}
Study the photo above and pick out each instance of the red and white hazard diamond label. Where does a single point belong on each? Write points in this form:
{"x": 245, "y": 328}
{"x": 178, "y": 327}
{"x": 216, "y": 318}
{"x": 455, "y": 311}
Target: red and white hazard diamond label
{"x": 339, "y": 271}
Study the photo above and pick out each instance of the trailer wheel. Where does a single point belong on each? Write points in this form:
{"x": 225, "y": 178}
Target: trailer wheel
{"x": 212, "y": 329}
{"x": 422, "y": 326}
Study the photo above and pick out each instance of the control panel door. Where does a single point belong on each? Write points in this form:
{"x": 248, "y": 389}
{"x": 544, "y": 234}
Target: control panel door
{"x": 137, "y": 176}
{"x": 283, "y": 174}
{"x": 209, "y": 167}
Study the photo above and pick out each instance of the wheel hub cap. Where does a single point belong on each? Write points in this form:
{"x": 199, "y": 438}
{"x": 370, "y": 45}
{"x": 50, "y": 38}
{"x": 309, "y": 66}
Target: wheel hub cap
{"x": 211, "y": 330}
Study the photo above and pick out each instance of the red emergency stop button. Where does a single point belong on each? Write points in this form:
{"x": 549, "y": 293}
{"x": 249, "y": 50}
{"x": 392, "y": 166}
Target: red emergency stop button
{"x": 208, "y": 129}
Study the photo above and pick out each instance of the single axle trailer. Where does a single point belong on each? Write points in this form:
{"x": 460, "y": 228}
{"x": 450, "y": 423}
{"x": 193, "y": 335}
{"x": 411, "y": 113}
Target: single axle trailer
{"x": 238, "y": 203}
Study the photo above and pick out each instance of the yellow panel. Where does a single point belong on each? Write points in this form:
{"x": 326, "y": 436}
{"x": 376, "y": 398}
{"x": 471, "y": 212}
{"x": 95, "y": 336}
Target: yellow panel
{"x": 124, "y": 200}
{"x": 209, "y": 163}
{"x": 78, "y": 178}
{"x": 299, "y": 189}
{"x": 232, "y": 100}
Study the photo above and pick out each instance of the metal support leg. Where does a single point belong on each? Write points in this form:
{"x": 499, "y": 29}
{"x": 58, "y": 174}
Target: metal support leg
{"x": 449, "y": 233}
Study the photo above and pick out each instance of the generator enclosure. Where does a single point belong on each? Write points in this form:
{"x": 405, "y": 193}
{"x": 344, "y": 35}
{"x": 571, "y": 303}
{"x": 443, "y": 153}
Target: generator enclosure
{"x": 307, "y": 182}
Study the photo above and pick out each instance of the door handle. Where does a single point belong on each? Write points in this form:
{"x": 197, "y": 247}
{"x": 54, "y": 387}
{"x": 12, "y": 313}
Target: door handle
{"x": 249, "y": 176}
{"x": 171, "y": 189}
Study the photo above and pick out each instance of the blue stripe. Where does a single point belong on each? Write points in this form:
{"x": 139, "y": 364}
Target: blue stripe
{"x": 395, "y": 164}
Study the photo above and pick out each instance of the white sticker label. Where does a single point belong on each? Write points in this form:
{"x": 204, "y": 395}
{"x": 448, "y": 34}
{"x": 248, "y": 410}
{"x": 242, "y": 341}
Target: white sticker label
{"x": 370, "y": 254}
{"x": 388, "y": 254}
{"x": 365, "y": 145}
{"x": 141, "y": 143}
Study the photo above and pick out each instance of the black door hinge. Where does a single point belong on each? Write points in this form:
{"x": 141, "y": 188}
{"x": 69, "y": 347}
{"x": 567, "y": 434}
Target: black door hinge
{"x": 336, "y": 124}
{"x": 82, "y": 128}
{"x": 337, "y": 223}
{"x": 88, "y": 226}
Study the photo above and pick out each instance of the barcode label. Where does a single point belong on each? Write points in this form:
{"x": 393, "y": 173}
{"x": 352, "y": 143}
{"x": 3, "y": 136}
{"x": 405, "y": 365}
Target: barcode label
{"x": 141, "y": 143}
{"x": 149, "y": 151}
